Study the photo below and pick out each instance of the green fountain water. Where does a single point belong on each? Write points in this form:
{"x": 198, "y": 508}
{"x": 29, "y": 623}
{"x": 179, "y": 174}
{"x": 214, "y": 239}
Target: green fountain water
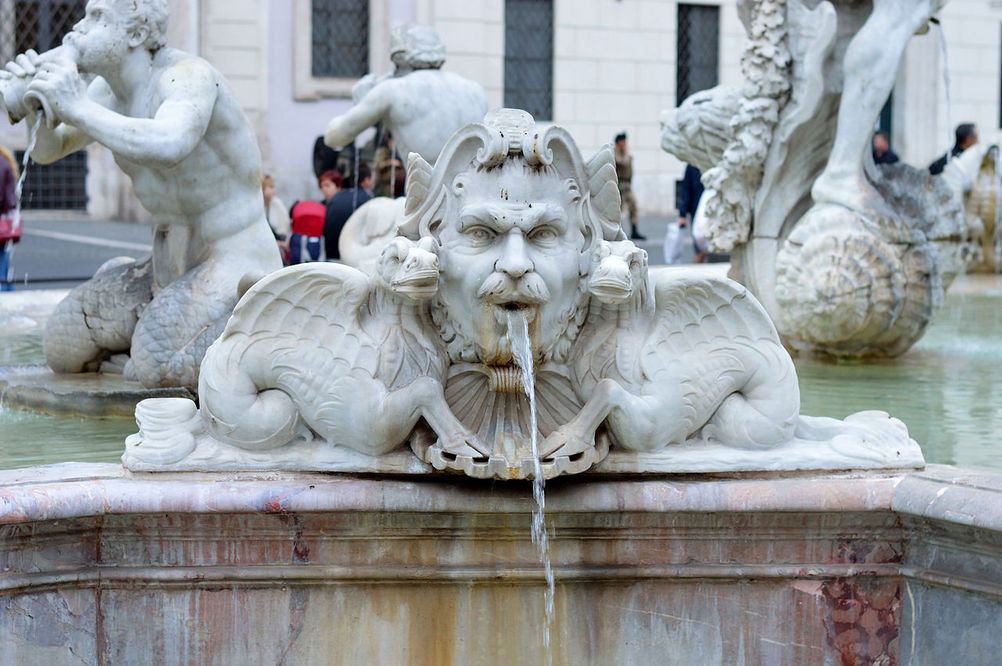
{"x": 947, "y": 389}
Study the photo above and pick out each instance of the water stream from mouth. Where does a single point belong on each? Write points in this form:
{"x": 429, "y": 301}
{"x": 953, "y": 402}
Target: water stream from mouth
{"x": 521, "y": 348}
{"x": 18, "y": 190}
{"x": 946, "y": 89}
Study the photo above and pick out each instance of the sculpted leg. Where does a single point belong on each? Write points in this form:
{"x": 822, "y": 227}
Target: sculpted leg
{"x": 98, "y": 318}
{"x": 637, "y": 423}
{"x": 870, "y": 67}
{"x": 424, "y": 398}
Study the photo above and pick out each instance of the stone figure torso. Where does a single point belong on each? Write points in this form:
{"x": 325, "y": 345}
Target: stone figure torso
{"x": 422, "y": 128}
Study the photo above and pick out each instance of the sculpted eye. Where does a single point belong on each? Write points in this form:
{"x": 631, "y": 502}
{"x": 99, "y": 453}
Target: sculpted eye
{"x": 480, "y": 234}
{"x": 543, "y": 235}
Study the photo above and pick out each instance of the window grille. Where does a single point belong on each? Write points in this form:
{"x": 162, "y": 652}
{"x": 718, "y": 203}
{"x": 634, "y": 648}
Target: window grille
{"x": 41, "y": 25}
{"x": 340, "y": 38}
{"x": 36, "y": 24}
{"x": 698, "y": 48}
{"x": 528, "y": 57}
{"x": 61, "y": 185}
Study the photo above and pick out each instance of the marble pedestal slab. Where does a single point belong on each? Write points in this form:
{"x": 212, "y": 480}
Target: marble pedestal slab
{"x": 102, "y": 566}
{"x": 37, "y": 388}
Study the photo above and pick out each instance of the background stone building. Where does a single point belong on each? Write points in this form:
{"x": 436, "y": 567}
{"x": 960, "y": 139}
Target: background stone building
{"x": 597, "y": 67}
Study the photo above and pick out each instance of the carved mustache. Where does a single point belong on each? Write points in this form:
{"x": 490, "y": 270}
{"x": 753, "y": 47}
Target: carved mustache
{"x": 500, "y": 288}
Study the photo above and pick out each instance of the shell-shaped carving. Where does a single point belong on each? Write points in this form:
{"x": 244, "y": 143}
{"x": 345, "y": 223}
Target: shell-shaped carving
{"x": 845, "y": 291}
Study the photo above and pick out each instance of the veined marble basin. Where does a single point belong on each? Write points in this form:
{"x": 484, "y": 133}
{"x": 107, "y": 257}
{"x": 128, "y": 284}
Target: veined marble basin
{"x": 103, "y": 566}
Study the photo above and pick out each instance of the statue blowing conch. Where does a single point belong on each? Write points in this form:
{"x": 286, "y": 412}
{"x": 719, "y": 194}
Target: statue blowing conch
{"x": 511, "y": 238}
{"x": 176, "y": 130}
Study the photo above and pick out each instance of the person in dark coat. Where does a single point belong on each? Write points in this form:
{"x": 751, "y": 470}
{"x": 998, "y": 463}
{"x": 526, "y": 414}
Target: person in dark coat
{"x": 965, "y": 136}
{"x": 341, "y": 207}
{"x": 689, "y": 195}
{"x": 882, "y": 153}
{"x": 688, "y": 201}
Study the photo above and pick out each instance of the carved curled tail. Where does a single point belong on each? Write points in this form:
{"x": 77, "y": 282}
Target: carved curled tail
{"x": 235, "y": 412}
{"x": 764, "y": 412}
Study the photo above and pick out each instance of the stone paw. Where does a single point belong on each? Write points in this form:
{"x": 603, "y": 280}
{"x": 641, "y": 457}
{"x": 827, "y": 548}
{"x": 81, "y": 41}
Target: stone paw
{"x": 565, "y": 443}
{"x": 463, "y": 444}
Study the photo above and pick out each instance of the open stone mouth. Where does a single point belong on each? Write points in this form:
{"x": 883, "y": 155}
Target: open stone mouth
{"x": 502, "y": 310}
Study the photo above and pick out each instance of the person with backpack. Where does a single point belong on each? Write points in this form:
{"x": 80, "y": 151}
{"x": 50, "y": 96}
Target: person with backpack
{"x": 306, "y": 243}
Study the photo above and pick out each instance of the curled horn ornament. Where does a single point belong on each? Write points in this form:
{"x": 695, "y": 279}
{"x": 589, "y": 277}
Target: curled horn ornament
{"x": 507, "y": 133}
{"x": 845, "y": 291}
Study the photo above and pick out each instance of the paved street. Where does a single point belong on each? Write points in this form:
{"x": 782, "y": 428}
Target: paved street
{"x": 59, "y": 251}
{"x": 63, "y": 251}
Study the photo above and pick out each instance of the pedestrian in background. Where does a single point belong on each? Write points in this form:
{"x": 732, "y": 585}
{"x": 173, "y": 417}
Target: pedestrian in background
{"x": 277, "y": 215}
{"x": 624, "y": 173}
{"x": 306, "y": 243}
{"x": 965, "y": 136}
{"x": 342, "y": 206}
{"x": 689, "y": 196}
{"x": 10, "y": 223}
{"x": 882, "y": 153}
{"x": 389, "y": 169}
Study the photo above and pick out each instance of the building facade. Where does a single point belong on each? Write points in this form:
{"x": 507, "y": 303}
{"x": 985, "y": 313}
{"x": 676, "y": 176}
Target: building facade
{"x": 596, "y": 67}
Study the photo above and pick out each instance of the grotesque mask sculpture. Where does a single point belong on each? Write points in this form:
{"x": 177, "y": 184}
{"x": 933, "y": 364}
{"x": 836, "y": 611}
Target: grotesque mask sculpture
{"x": 510, "y": 276}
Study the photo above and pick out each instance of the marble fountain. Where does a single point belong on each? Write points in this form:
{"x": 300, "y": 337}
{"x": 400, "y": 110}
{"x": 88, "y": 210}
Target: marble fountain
{"x": 506, "y": 439}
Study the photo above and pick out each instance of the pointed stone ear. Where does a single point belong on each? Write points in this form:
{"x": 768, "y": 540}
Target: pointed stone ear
{"x": 604, "y": 190}
{"x": 418, "y": 182}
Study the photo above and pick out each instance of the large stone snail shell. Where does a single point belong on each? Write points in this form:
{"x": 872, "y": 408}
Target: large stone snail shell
{"x": 845, "y": 291}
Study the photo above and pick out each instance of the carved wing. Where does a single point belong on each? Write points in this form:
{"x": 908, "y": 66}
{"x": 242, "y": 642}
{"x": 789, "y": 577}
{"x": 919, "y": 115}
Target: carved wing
{"x": 297, "y": 331}
{"x": 710, "y": 339}
{"x": 692, "y": 310}
{"x": 317, "y": 303}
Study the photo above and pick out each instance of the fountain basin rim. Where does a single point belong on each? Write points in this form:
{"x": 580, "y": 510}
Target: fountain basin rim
{"x": 66, "y": 491}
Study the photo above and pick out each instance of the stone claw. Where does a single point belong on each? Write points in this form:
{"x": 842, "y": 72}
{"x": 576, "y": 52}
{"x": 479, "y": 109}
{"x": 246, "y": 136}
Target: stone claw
{"x": 464, "y": 444}
{"x": 565, "y": 443}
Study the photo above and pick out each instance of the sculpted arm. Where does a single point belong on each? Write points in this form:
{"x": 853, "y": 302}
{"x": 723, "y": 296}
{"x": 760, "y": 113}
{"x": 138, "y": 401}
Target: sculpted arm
{"x": 188, "y": 92}
{"x": 343, "y": 129}
{"x": 52, "y": 143}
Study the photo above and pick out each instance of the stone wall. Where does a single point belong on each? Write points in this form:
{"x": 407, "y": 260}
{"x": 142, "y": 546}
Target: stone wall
{"x": 104, "y": 567}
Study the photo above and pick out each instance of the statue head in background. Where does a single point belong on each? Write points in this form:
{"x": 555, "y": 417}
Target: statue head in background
{"x": 512, "y": 209}
{"x": 416, "y": 47}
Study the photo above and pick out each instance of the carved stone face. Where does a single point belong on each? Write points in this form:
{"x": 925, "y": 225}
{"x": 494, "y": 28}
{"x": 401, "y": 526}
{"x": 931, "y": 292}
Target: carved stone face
{"x": 101, "y": 37}
{"x": 512, "y": 241}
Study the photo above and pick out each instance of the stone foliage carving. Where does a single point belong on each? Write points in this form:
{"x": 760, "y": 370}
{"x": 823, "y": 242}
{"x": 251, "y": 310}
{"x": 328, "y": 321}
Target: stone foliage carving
{"x": 734, "y": 179}
{"x": 510, "y": 238}
{"x": 418, "y": 102}
{"x": 180, "y": 135}
{"x": 848, "y": 258}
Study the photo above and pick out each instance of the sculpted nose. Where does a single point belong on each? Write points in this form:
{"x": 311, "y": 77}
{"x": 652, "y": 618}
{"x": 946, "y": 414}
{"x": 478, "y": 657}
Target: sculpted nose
{"x": 514, "y": 260}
